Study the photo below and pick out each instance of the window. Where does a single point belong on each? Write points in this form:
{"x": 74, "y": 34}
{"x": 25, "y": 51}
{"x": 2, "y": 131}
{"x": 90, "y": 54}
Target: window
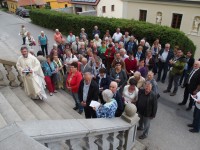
{"x": 176, "y": 20}
{"x": 143, "y": 15}
{"x": 48, "y": 4}
{"x": 112, "y": 7}
{"x": 103, "y": 9}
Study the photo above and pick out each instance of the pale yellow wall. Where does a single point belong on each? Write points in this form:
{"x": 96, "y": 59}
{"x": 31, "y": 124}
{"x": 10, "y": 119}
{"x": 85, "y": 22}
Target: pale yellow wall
{"x": 117, "y": 13}
{"x": 131, "y": 11}
{"x": 12, "y": 6}
{"x": 54, "y": 4}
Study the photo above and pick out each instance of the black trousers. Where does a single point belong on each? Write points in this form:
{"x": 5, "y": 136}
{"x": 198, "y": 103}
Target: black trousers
{"x": 24, "y": 40}
{"x": 89, "y": 112}
{"x": 185, "y": 97}
{"x": 162, "y": 67}
{"x": 196, "y": 118}
{"x": 44, "y": 49}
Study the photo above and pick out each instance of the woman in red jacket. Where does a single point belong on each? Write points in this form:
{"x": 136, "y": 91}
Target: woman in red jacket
{"x": 109, "y": 54}
{"x": 72, "y": 83}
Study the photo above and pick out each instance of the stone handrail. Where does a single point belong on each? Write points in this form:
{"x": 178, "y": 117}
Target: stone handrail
{"x": 87, "y": 134}
{"x": 8, "y": 65}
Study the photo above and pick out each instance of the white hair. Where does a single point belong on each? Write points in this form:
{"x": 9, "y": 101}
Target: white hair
{"x": 55, "y": 45}
{"x": 137, "y": 73}
{"x": 96, "y": 35}
{"x": 42, "y": 31}
{"x": 122, "y": 49}
{"x": 107, "y": 95}
{"x": 84, "y": 59}
{"x": 114, "y": 83}
{"x": 57, "y": 30}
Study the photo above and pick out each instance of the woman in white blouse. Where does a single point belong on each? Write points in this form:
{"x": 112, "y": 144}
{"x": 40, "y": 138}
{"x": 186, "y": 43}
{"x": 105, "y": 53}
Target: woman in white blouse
{"x": 130, "y": 92}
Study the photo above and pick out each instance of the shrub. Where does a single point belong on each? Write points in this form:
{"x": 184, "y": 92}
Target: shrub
{"x": 70, "y": 22}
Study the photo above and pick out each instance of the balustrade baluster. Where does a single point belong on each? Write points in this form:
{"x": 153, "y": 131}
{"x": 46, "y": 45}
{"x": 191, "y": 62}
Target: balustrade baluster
{"x": 10, "y": 75}
{"x": 114, "y": 141}
{"x": 2, "y": 82}
{"x": 54, "y": 145}
{"x": 19, "y": 78}
{"x": 74, "y": 144}
{"x": 121, "y": 138}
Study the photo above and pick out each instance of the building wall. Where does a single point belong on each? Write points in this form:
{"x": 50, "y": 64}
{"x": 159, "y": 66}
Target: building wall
{"x": 54, "y": 4}
{"x": 12, "y": 6}
{"x": 131, "y": 11}
{"x": 118, "y": 9}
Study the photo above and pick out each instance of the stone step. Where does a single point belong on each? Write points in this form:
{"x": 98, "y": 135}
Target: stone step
{"x": 64, "y": 101}
{"x": 29, "y": 103}
{"x": 6, "y": 110}
{"x": 2, "y": 122}
{"x": 48, "y": 109}
{"x": 54, "y": 102}
{"x": 12, "y": 138}
{"x": 17, "y": 105}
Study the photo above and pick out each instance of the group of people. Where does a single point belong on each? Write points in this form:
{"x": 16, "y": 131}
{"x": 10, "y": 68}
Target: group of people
{"x": 115, "y": 71}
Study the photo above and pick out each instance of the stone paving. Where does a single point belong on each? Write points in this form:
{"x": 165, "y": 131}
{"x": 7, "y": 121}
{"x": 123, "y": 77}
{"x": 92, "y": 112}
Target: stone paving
{"x": 168, "y": 130}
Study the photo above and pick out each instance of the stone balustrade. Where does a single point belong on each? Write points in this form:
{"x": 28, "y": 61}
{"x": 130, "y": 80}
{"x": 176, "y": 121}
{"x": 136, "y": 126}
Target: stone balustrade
{"x": 10, "y": 67}
{"x": 85, "y": 134}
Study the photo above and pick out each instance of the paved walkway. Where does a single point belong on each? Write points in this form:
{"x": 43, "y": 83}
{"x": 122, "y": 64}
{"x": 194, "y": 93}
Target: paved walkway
{"x": 168, "y": 130}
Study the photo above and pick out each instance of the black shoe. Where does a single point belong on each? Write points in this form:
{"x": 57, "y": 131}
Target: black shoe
{"x": 181, "y": 103}
{"x": 139, "y": 128}
{"x": 142, "y": 137}
{"x": 193, "y": 131}
{"x": 163, "y": 81}
{"x": 166, "y": 91}
{"x": 75, "y": 108}
{"x": 190, "y": 125}
{"x": 172, "y": 94}
{"x": 188, "y": 109}
{"x": 80, "y": 112}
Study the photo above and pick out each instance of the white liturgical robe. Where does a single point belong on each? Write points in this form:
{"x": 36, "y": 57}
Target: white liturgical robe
{"x": 34, "y": 83}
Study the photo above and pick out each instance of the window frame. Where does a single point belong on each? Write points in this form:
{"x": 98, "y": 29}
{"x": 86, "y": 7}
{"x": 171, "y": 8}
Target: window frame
{"x": 176, "y": 20}
{"x": 142, "y": 15}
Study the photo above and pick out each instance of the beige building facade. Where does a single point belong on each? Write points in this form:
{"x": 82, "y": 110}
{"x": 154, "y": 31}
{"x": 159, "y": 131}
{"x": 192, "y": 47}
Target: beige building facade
{"x": 110, "y": 8}
{"x": 181, "y": 15}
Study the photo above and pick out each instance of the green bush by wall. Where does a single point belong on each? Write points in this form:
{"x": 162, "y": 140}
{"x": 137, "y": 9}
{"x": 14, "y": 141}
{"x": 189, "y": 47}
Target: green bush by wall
{"x": 70, "y": 22}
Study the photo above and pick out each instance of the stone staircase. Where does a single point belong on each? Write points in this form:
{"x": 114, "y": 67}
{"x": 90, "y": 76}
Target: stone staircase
{"x": 53, "y": 123}
{"x": 16, "y": 106}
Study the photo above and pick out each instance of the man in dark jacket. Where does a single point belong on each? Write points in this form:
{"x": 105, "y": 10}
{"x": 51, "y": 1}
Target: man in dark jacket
{"x": 88, "y": 91}
{"x": 164, "y": 56}
{"x": 191, "y": 83}
{"x": 177, "y": 63}
{"x": 103, "y": 80}
{"x": 117, "y": 96}
{"x": 147, "y": 108}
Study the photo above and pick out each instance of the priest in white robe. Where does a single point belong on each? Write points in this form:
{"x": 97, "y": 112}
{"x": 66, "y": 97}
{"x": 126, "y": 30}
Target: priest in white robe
{"x": 32, "y": 75}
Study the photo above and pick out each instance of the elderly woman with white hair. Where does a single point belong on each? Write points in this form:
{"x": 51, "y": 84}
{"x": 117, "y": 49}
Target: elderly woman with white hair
{"x": 97, "y": 40}
{"x": 58, "y": 36}
{"x": 140, "y": 80}
{"x": 109, "y": 108}
{"x": 83, "y": 33}
{"x": 30, "y": 41}
{"x": 43, "y": 42}
{"x": 96, "y": 66}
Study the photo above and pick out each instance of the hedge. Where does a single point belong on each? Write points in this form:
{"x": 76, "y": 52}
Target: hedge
{"x": 70, "y": 22}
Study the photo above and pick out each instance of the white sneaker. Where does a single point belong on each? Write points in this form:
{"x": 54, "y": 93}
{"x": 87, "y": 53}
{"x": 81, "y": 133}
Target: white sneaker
{"x": 51, "y": 94}
{"x": 55, "y": 91}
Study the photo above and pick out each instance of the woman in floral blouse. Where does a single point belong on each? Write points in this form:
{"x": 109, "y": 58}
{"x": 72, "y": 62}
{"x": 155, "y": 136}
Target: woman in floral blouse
{"x": 109, "y": 108}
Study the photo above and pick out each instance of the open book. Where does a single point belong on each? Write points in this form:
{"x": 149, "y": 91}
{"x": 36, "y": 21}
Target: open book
{"x": 95, "y": 104}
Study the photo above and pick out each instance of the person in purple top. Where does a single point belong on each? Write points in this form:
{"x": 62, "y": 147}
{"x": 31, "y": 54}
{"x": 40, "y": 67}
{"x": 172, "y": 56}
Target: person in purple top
{"x": 142, "y": 69}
